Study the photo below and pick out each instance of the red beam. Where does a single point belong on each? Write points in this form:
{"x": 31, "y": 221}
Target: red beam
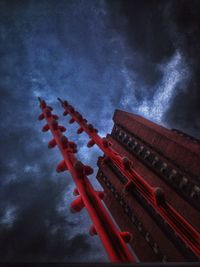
{"x": 154, "y": 196}
{"x": 113, "y": 241}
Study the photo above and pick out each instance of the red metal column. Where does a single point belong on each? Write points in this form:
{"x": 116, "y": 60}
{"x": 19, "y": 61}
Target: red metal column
{"x": 113, "y": 240}
{"x": 154, "y": 196}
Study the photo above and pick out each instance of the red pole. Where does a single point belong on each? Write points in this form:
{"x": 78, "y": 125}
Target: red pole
{"x": 154, "y": 196}
{"x": 113, "y": 241}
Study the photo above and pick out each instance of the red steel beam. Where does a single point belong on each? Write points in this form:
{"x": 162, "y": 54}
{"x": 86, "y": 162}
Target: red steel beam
{"x": 113, "y": 241}
{"x": 154, "y": 196}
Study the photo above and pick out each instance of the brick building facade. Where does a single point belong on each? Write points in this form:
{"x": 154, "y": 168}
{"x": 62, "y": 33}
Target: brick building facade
{"x": 165, "y": 158}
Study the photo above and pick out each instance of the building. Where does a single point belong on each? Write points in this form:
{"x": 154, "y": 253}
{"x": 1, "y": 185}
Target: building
{"x": 165, "y": 158}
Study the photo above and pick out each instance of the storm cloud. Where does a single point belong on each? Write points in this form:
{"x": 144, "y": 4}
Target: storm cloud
{"x": 164, "y": 35}
{"x": 139, "y": 56}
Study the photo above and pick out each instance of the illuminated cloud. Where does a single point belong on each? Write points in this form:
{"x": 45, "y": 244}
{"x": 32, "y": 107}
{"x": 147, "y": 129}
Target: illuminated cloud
{"x": 175, "y": 72}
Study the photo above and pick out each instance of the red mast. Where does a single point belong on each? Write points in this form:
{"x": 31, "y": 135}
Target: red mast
{"x": 112, "y": 240}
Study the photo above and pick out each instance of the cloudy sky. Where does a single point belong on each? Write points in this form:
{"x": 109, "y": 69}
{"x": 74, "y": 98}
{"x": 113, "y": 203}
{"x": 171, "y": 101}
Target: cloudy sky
{"x": 139, "y": 56}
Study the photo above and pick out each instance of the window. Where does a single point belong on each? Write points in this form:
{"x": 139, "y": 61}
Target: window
{"x": 147, "y": 237}
{"x": 134, "y": 145}
{"x": 195, "y": 192}
{"x": 129, "y": 143}
{"x": 127, "y": 209}
{"x": 100, "y": 174}
{"x": 116, "y": 132}
{"x": 112, "y": 189}
{"x": 139, "y": 226}
{"x": 120, "y": 134}
{"x": 172, "y": 174}
{"x": 121, "y": 202}
{"x": 133, "y": 218}
{"x": 124, "y": 137}
{"x": 183, "y": 182}
{"x": 141, "y": 148}
{"x": 163, "y": 167}
{"x": 155, "y": 248}
{"x": 147, "y": 154}
{"x": 155, "y": 161}
{"x": 108, "y": 184}
{"x": 105, "y": 178}
{"x": 116, "y": 195}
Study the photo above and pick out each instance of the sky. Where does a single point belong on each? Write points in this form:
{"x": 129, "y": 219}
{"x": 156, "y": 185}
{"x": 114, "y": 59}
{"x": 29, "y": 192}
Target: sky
{"x": 139, "y": 56}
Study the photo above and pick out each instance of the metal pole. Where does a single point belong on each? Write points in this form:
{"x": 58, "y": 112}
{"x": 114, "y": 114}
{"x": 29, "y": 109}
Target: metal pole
{"x": 113, "y": 241}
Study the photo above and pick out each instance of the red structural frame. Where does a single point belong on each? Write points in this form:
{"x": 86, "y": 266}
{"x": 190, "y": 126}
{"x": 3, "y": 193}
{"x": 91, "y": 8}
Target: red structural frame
{"x": 113, "y": 241}
{"x": 153, "y": 195}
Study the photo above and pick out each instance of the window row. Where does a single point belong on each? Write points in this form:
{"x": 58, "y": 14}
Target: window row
{"x": 128, "y": 211}
{"x": 171, "y": 175}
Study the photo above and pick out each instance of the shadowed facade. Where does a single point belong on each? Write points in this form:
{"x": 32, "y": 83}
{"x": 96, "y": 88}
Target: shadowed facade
{"x": 167, "y": 159}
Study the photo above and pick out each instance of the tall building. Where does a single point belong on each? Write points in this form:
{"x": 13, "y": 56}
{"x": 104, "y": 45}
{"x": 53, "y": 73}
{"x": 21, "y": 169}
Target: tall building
{"x": 165, "y": 158}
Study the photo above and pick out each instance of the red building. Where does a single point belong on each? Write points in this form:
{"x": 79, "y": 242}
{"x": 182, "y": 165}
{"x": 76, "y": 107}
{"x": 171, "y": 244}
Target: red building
{"x": 165, "y": 158}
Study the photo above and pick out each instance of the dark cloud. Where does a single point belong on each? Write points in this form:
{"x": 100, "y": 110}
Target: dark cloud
{"x": 157, "y": 29}
{"x": 185, "y": 109}
{"x": 39, "y": 232}
{"x": 141, "y": 56}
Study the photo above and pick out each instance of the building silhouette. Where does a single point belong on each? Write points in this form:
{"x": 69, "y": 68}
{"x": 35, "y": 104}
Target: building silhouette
{"x": 166, "y": 159}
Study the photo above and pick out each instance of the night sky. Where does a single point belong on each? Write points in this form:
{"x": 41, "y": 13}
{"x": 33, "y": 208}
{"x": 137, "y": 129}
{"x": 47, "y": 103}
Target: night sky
{"x": 139, "y": 56}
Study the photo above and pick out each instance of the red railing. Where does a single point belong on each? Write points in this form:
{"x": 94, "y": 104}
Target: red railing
{"x": 113, "y": 241}
{"x": 153, "y": 195}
